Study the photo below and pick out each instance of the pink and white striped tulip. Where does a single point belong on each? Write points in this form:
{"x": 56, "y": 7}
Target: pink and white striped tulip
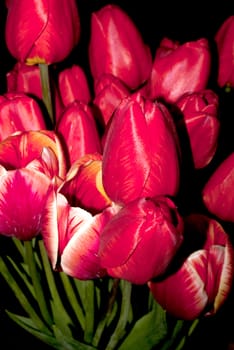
{"x": 71, "y": 236}
{"x": 23, "y": 194}
{"x": 202, "y": 281}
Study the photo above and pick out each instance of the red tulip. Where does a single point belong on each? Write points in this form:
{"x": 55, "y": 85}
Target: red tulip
{"x": 179, "y": 68}
{"x": 200, "y": 117}
{"x": 116, "y": 47}
{"x": 202, "y": 282}
{"x": 217, "y": 193}
{"x": 38, "y": 150}
{"x": 224, "y": 39}
{"x": 23, "y": 195}
{"x": 83, "y": 184}
{"x": 44, "y": 31}
{"x": 19, "y": 112}
{"x": 73, "y": 85}
{"x": 140, "y": 155}
{"x": 109, "y": 92}
{"x": 71, "y": 236}
{"x": 78, "y": 131}
{"x": 26, "y": 79}
{"x": 139, "y": 242}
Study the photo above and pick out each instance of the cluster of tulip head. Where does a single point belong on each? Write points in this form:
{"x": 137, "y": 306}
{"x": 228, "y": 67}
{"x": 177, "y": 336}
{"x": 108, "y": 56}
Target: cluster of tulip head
{"x": 100, "y": 182}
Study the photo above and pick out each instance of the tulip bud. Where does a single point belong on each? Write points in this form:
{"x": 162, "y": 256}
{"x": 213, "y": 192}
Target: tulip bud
{"x": 42, "y": 31}
{"x": 217, "y": 193}
{"x": 141, "y": 154}
{"x": 73, "y": 85}
{"x": 78, "y": 131}
{"x": 199, "y": 112}
{"x": 202, "y": 281}
{"x": 139, "y": 242}
{"x": 19, "y": 112}
{"x": 113, "y": 52}
{"x": 179, "y": 68}
{"x": 109, "y": 92}
{"x": 224, "y": 39}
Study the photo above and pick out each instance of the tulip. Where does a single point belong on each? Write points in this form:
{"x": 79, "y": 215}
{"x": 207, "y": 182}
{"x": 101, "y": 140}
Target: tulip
{"x": 201, "y": 283}
{"x": 111, "y": 51}
{"x": 78, "y": 131}
{"x": 19, "y": 112}
{"x": 217, "y": 193}
{"x": 71, "y": 236}
{"x": 200, "y": 117}
{"x": 139, "y": 242}
{"x": 23, "y": 194}
{"x": 44, "y": 31}
{"x": 179, "y": 68}
{"x": 224, "y": 39}
{"x": 39, "y": 150}
{"x": 73, "y": 85}
{"x": 26, "y": 79}
{"x": 109, "y": 92}
{"x": 83, "y": 184}
{"x": 141, "y": 153}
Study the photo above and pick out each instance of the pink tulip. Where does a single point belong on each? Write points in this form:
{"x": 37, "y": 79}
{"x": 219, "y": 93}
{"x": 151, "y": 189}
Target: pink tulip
{"x": 45, "y": 31}
{"x": 200, "y": 117}
{"x": 19, "y": 112}
{"x": 139, "y": 242}
{"x": 23, "y": 194}
{"x": 217, "y": 193}
{"x": 116, "y": 47}
{"x": 73, "y": 85}
{"x": 78, "y": 131}
{"x": 224, "y": 39}
{"x": 140, "y": 155}
{"x": 71, "y": 236}
{"x": 109, "y": 92}
{"x": 83, "y": 184}
{"x": 202, "y": 281}
{"x": 179, "y": 68}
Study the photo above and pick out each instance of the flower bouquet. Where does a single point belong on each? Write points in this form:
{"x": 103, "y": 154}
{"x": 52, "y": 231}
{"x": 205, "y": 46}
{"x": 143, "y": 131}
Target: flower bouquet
{"x": 116, "y": 202}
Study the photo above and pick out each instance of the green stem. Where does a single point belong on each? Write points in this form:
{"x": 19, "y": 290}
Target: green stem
{"x": 89, "y": 311}
{"x": 104, "y": 320}
{"x": 72, "y": 298}
{"x": 120, "y": 330}
{"x": 36, "y": 281}
{"x": 46, "y": 92}
{"x": 60, "y": 316}
{"x": 22, "y": 298}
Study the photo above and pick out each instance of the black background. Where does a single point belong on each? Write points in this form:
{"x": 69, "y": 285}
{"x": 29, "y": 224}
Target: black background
{"x": 182, "y": 21}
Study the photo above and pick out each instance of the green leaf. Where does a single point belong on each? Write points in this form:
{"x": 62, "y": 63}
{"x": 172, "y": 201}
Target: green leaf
{"x": 23, "y": 300}
{"x": 69, "y": 343}
{"x": 147, "y": 332}
{"x": 28, "y": 324}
